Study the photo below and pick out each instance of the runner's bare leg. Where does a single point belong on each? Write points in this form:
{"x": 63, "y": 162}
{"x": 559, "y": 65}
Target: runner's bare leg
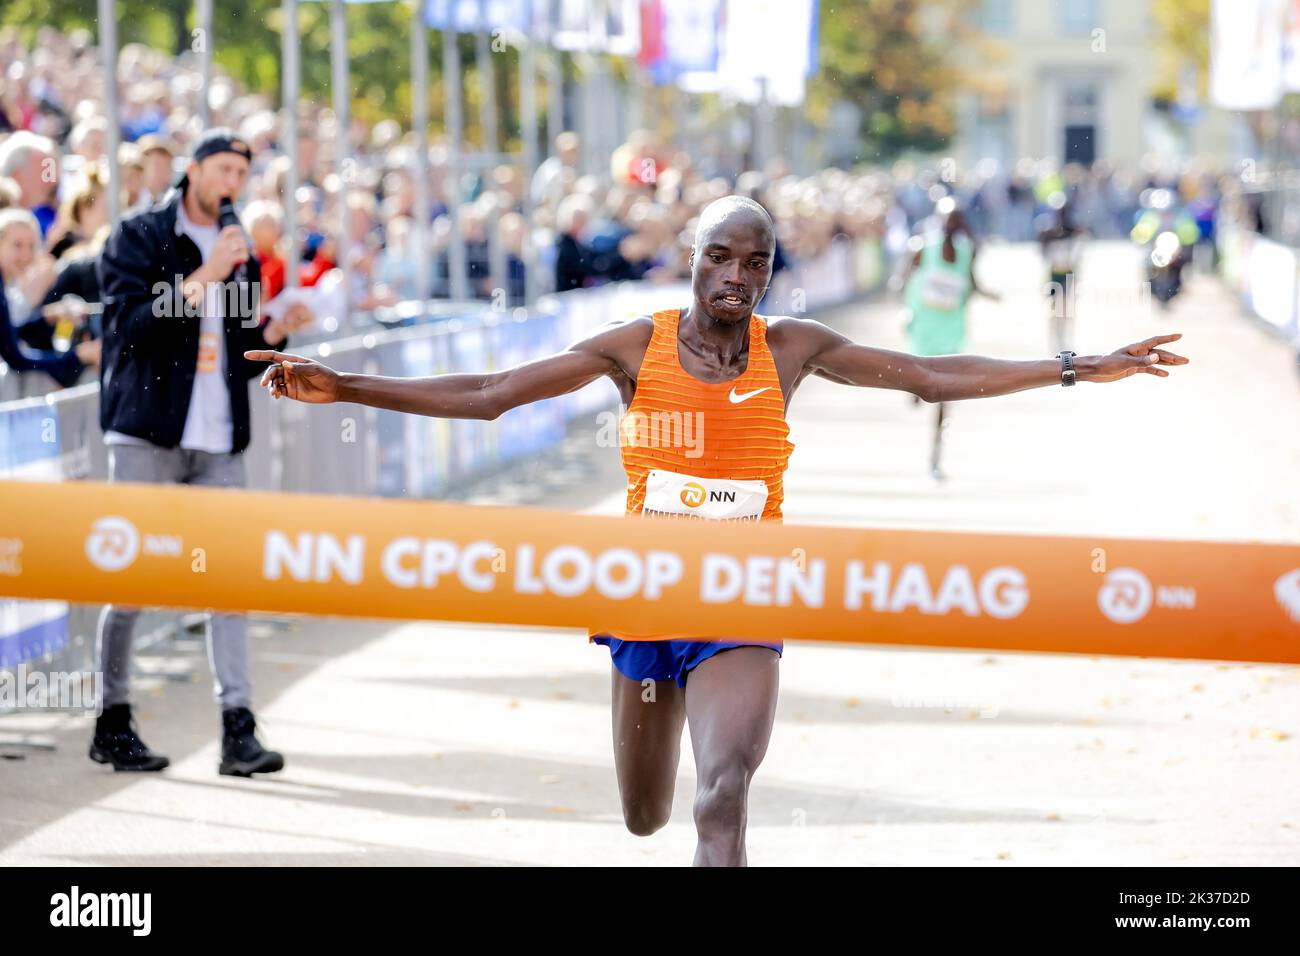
{"x": 940, "y": 421}
{"x": 730, "y": 708}
{"x": 648, "y": 722}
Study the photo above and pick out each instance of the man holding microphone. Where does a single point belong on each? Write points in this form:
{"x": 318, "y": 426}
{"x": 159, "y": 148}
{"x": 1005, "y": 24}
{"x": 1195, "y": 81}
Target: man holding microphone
{"x": 181, "y": 306}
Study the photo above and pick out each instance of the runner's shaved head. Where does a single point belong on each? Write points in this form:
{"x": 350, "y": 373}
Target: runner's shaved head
{"x": 732, "y": 209}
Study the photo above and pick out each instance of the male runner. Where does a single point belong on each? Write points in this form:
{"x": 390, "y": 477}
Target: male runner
{"x": 1060, "y": 242}
{"x": 938, "y": 286}
{"x": 738, "y": 369}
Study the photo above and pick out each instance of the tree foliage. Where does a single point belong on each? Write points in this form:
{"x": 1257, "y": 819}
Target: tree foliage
{"x": 888, "y": 58}
{"x": 1182, "y": 40}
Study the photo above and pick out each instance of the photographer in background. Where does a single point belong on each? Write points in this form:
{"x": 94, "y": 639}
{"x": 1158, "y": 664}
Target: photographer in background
{"x": 182, "y": 304}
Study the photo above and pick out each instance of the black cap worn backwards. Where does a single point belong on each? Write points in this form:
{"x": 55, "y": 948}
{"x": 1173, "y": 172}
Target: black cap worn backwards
{"x": 221, "y": 139}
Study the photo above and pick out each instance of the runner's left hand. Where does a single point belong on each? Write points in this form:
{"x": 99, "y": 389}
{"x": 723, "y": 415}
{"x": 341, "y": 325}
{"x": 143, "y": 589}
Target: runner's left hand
{"x": 1132, "y": 359}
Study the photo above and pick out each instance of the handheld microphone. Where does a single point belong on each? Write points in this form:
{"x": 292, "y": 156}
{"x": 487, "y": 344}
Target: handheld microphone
{"x": 226, "y": 216}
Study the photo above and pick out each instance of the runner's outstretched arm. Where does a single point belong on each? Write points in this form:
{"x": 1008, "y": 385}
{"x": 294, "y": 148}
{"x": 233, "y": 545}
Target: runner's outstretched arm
{"x": 614, "y": 350}
{"x": 946, "y": 378}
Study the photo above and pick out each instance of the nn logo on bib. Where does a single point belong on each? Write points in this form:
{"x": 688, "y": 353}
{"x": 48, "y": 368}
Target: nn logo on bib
{"x": 693, "y": 494}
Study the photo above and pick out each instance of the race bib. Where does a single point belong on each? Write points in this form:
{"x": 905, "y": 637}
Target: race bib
{"x": 712, "y": 499}
{"x": 942, "y": 291}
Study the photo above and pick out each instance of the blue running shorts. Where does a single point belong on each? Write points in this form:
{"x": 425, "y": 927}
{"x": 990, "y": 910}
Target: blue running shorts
{"x": 665, "y": 660}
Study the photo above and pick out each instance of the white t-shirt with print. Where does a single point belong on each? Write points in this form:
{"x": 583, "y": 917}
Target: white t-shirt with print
{"x": 208, "y": 426}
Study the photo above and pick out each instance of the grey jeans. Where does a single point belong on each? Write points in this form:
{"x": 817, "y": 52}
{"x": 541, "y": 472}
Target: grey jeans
{"x": 227, "y": 634}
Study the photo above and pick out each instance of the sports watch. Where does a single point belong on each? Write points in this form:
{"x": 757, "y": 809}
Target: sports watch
{"x": 1067, "y": 367}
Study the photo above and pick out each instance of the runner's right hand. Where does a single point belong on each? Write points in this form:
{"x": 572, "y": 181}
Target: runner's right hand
{"x": 292, "y": 376}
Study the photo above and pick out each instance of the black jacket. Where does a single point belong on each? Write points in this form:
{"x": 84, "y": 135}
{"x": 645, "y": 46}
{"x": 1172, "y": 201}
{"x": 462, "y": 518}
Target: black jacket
{"x": 151, "y": 346}
{"x": 79, "y": 277}
{"x": 574, "y": 263}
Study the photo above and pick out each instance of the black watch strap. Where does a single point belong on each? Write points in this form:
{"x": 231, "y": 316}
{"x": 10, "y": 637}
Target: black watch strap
{"x": 1067, "y": 367}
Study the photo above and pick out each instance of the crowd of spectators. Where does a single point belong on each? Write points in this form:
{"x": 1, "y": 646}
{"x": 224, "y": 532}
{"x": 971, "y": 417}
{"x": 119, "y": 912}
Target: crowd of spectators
{"x": 577, "y": 220}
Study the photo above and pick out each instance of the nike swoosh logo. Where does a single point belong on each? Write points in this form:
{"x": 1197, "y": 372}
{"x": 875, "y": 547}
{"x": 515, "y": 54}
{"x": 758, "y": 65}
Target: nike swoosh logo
{"x": 738, "y": 397}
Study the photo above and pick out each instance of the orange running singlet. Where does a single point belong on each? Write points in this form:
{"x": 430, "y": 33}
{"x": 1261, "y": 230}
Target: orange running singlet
{"x": 726, "y": 432}
{"x": 703, "y": 450}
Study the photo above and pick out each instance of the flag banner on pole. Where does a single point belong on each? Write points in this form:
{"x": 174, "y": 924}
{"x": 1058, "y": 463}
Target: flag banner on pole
{"x": 596, "y": 26}
{"x": 623, "y": 27}
{"x": 1291, "y": 47}
{"x": 652, "y": 33}
{"x": 687, "y": 38}
{"x": 463, "y": 16}
{"x": 814, "y": 37}
{"x": 1246, "y": 54}
{"x": 757, "y": 48}
{"x": 573, "y": 26}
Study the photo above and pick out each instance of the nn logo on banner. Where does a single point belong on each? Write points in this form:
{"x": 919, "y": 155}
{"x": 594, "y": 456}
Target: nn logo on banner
{"x": 1126, "y": 595}
{"x": 114, "y": 543}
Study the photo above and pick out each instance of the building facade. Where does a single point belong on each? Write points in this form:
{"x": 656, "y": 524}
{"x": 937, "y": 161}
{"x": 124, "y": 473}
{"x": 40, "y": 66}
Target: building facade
{"x": 1067, "y": 80}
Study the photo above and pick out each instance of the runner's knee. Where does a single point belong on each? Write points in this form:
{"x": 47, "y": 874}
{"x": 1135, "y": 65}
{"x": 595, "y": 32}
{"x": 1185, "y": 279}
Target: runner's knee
{"x": 721, "y": 798}
{"x": 643, "y": 819}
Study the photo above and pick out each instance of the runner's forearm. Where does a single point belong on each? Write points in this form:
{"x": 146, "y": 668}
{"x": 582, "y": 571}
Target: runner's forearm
{"x": 957, "y": 377}
{"x": 438, "y": 396}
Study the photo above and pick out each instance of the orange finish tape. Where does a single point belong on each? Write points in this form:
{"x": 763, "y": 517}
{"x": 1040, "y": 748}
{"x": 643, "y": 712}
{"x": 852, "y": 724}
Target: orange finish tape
{"x": 164, "y": 545}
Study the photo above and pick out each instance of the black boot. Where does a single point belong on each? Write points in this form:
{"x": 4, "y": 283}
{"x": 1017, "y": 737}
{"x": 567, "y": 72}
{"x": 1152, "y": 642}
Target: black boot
{"x": 241, "y": 754}
{"x": 116, "y": 742}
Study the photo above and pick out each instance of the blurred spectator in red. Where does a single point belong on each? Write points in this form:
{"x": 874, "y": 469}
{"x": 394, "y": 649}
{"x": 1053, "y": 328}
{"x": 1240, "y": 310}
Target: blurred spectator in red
{"x": 635, "y": 163}
{"x": 322, "y": 262}
{"x": 264, "y": 223}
